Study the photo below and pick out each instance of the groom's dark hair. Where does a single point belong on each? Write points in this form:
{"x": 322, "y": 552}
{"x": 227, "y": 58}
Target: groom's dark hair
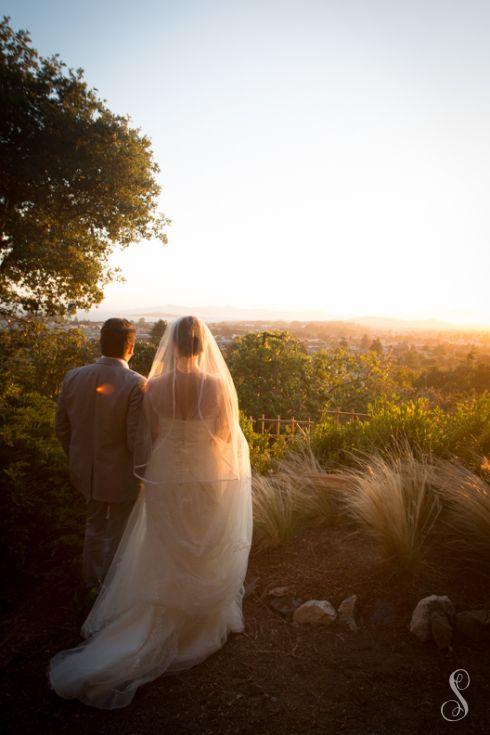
{"x": 116, "y": 336}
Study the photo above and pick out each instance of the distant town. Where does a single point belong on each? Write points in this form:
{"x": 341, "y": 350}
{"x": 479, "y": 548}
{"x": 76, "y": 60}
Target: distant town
{"x": 317, "y": 335}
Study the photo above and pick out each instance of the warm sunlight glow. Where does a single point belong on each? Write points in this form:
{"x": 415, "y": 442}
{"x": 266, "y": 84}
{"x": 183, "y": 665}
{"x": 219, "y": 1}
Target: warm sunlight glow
{"x": 329, "y": 157}
{"x": 106, "y": 389}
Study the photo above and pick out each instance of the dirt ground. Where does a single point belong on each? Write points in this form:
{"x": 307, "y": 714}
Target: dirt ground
{"x": 276, "y": 677}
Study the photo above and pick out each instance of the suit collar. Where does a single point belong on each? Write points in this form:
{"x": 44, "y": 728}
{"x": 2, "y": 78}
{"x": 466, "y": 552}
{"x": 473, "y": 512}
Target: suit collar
{"x": 117, "y": 361}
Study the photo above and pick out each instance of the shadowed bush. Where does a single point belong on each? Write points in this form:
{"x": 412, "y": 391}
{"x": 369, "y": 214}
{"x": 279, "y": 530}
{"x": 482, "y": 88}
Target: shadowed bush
{"x": 41, "y": 516}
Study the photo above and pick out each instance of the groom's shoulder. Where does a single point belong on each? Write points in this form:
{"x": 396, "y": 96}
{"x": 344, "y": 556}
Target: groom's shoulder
{"x": 84, "y": 371}
{"x": 73, "y": 372}
{"x": 74, "y": 375}
{"x": 136, "y": 377}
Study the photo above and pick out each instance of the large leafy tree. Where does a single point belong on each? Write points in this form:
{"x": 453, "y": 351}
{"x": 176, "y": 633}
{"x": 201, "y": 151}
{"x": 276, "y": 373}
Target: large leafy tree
{"x": 274, "y": 375}
{"x": 75, "y": 180}
{"x": 270, "y": 372}
{"x": 349, "y": 381}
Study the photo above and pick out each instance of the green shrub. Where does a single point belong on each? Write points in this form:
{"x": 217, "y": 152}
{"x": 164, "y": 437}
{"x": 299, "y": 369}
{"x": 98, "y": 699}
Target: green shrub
{"x": 463, "y": 432}
{"x": 144, "y": 354}
{"x": 41, "y": 516}
{"x": 414, "y": 423}
{"x": 468, "y": 431}
{"x": 264, "y": 449}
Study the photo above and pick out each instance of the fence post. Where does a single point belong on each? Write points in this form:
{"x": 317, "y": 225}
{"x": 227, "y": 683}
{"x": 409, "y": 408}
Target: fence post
{"x": 292, "y": 425}
{"x": 262, "y": 424}
{"x": 278, "y": 429}
{"x": 309, "y": 425}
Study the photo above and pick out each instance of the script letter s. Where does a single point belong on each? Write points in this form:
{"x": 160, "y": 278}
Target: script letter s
{"x": 456, "y": 709}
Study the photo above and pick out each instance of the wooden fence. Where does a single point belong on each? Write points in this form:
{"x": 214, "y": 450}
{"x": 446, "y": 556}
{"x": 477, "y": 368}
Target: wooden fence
{"x": 289, "y": 426}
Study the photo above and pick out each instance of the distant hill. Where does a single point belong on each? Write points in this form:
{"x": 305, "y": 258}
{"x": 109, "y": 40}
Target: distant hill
{"x": 209, "y": 313}
{"x": 236, "y": 314}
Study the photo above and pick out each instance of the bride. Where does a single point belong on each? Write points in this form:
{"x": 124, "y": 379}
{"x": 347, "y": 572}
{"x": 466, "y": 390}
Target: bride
{"x": 174, "y": 590}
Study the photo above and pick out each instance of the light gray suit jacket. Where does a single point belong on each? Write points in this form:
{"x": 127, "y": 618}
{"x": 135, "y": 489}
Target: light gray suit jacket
{"x": 96, "y": 422}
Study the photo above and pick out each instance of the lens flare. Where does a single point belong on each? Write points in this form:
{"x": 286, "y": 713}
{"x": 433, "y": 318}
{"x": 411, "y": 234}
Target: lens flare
{"x": 105, "y": 389}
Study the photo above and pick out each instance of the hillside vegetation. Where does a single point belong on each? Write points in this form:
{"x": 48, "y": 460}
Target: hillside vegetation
{"x": 412, "y": 475}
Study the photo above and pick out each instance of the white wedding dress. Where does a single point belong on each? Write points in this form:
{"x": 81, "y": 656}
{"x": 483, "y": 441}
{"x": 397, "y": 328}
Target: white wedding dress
{"x": 174, "y": 590}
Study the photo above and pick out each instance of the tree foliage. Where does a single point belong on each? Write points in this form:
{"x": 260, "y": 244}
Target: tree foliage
{"x": 142, "y": 360}
{"x": 35, "y": 356}
{"x": 269, "y": 370}
{"x": 274, "y": 375}
{"x": 158, "y": 330}
{"x": 339, "y": 378}
{"x": 144, "y": 351}
{"x": 76, "y": 180}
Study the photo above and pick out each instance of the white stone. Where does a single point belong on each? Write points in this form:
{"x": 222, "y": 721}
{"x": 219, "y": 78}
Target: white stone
{"x": 441, "y": 629}
{"x": 347, "y": 613}
{"x": 420, "y": 622}
{"x": 315, "y": 612}
{"x": 278, "y": 592}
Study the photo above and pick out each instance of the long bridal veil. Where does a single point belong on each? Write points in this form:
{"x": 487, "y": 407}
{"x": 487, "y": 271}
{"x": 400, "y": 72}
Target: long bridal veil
{"x": 174, "y": 590}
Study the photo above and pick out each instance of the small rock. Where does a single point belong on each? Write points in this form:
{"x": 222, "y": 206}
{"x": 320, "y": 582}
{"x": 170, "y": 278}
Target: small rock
{"x": 441, "y": 629}
{"x": 420, "y": 624}
{"x": 278, "y": 592}
{"x": 285, "y": 606}
{"x": 474, "y": 624}
{"x": 315, "y": 612}
{"x": 347, "y": 613}
{"x": 383, "y": 613}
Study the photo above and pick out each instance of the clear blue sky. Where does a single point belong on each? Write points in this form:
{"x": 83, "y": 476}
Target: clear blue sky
{"x": 331, "y": 155}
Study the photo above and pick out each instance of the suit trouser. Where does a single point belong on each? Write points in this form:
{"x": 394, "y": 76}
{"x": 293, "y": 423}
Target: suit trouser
{"x": 104, "y": 527}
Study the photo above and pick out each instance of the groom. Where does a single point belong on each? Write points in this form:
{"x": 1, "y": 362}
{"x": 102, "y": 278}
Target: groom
{"x": 96, "y": 422}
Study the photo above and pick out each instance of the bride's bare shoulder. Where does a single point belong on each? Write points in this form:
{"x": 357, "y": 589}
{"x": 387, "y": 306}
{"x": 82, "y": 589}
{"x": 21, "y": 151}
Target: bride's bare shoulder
{"x": 214, "y": 386}
{"x": 158, "y": 383}
{"x": 161, "y": 379}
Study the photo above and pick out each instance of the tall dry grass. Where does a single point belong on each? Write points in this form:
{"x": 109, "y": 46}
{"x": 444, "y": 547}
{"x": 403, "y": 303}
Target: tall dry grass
{"x": 399, "y": 501}
{"x": 317, "y": 494}
{"x": 274, "y": 509}
{"x": 465, "y": 497}
{"x": 299, "y": 494}
{"x": 395, "y": 502}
